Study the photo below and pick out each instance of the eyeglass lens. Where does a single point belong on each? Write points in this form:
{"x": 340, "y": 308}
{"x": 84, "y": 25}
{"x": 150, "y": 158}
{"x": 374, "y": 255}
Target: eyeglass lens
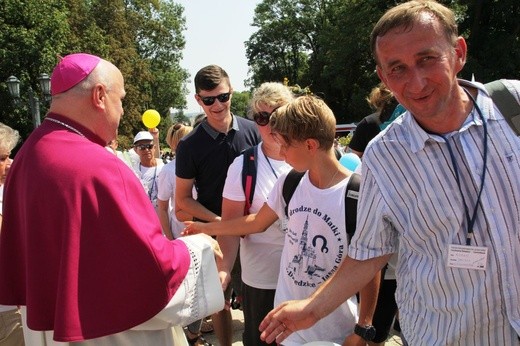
{"x": 209, "y": 100}
{"x": 145, "y": 146}
{"x": 262, "y": 118}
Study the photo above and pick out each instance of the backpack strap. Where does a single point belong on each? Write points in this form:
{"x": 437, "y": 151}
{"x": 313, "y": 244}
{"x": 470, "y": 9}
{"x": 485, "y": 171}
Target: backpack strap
{"x": 351, "y": 197}
{"x": 506, "y": 103}
{"x": 249, "y": 169}
{"x": 289, "y": 185}
{"x": 351, "y": 200}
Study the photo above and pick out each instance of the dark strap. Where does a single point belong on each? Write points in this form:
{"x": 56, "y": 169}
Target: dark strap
{"x": 506, "y": 103}
{"x": 289, "y": 185}
{"x": 351, "y": 200}
{"x": 249, "y": 169}
{"x": 337, "y": 153}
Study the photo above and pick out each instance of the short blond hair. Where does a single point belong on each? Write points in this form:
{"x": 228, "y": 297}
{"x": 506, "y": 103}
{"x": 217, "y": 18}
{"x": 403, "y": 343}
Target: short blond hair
{"x": 9, "y": 137}
{"x": 307, "y": 117}
{"x": 176, "y": 133}
{"x": 270, "y": 94}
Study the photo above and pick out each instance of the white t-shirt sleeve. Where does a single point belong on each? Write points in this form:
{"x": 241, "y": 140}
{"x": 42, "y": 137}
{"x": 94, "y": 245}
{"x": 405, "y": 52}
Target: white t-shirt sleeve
{"x": 166, "y": 182}
{"x": 233, "y": 189}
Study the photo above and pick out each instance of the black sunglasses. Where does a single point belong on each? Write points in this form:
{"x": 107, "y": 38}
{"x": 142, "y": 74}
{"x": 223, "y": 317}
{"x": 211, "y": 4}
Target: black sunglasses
{"x": 262, "y": 118}
{"x": 209, "y": 100}
{"x": 144, "y": 146}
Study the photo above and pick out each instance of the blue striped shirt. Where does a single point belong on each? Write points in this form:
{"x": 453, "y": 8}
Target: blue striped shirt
{"x": 410, "y": 202}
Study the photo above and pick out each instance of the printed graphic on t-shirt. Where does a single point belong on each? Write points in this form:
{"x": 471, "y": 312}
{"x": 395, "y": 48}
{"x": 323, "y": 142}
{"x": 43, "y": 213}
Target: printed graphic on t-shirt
{"x": 148, "y": 177}
{"x": 318, "y": 246}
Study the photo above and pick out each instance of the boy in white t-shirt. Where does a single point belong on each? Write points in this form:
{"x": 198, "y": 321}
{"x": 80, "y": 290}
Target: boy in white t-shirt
{"x": 316, "y": 239}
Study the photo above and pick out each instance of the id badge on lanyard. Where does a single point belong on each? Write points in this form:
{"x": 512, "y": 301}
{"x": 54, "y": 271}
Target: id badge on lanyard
{"x": 467, "y": 257}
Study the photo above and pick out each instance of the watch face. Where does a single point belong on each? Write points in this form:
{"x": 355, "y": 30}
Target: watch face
{"x": 370, "y": 333}
{"x": 366, "y": 332}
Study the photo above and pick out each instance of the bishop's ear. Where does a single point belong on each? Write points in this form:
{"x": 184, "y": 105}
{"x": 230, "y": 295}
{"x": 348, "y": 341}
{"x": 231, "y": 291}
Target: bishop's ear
{"x": 99, "y": 95}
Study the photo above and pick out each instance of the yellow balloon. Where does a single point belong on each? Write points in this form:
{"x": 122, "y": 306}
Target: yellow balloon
{"x": 151, "y": 118}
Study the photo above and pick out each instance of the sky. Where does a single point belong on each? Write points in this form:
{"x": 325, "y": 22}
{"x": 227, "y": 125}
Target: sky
{"x": 215, "y": 34}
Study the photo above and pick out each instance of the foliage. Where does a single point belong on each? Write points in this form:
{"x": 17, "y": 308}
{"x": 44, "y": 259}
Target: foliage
{"x": 180, "y": 117}
{"x": 31, "y": 32}
{"x": 240, "y": 103}
{"x": 345, "y": 140}
{"x": 296, "y": 89}
{"x": 343, "y": 70}
{"x": 142, "y": 37}
{"x": 279, "y": 48}
{"x": 324, "y": 45}
{"x": 492, "y": 31}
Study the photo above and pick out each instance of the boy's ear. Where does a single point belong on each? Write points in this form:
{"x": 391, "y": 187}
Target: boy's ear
{"x": 312, "y": 144}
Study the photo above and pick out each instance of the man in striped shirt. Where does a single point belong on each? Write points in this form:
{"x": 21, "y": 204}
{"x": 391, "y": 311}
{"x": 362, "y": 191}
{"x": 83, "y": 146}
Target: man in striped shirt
{"x": 441, "y": 187}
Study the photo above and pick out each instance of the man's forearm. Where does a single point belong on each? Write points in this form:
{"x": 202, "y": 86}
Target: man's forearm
{"x": 351, "y": 277}
{"x": 229, "y": 246}
{"x": 368, "y": 300}
{"x": 197, "y": 210}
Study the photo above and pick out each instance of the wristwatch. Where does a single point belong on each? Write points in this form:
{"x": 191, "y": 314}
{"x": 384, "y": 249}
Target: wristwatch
{"x": 367, "y": 332}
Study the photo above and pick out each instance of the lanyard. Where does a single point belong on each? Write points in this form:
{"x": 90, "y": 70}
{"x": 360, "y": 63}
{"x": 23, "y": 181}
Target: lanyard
{"x": 150, "y": 187}
{"x": 471, "y": 220}
{"x": 271, "y": 166}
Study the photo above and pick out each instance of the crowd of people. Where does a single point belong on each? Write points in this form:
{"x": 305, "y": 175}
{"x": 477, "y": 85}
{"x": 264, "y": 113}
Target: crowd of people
{"x": 126, "y": 247}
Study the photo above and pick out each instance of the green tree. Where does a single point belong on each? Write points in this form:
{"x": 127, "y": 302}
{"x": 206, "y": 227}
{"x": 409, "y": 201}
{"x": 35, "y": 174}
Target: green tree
{"x": 325, "y": 45}
{"x": 142, "y": 37}
{"x": 492, "y": 30}
{"x": 278, "y": 49}
{"x": 180, "y": 117}
{"x": 343, "y": 70}
{"x": 31, "y": 32}
{"x": 240, "y": 103}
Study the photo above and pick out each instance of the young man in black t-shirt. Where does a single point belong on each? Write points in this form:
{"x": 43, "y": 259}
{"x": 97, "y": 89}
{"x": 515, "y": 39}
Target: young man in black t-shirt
{"x": 203, "y": 158}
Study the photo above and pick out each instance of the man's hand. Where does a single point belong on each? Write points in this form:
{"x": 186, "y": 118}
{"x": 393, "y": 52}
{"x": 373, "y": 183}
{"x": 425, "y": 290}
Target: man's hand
{"x": 288, "y": 317}
{"x": 354, "y": 340}
{"x": 225, "y": 280}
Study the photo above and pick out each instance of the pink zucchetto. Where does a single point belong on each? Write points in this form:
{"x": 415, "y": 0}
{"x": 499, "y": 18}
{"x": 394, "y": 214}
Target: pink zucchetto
{"x": 71, "y": 70}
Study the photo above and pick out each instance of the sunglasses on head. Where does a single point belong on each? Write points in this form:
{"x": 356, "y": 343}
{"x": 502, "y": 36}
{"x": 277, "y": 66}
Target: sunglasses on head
{"x": 262, "y": 118}
{"x": 176, "y": 128}
{"x": 144, "y": 146}
{"x": 209, "y": 100}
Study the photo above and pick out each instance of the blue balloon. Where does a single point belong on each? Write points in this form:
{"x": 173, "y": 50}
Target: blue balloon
{"x": 350, "y": 161}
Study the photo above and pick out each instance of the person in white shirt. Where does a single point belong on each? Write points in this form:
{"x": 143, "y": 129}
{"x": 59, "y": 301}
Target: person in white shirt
{"x": 259, "y": 253}
{"x": 11, "y": 331}
{"x": 149, "y": 166}
{"x": 166, "y": 195}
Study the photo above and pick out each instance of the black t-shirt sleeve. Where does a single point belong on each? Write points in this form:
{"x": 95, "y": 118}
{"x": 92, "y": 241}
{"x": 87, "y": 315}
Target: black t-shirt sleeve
{"x": 365, "y": 131}
{"x": 183, "y": 162}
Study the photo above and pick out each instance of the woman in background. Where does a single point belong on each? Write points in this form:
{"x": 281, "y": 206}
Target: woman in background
{"x": 166, "y": 184}
{"x": 259, "y": 253}
{"x": 11, "y": 332}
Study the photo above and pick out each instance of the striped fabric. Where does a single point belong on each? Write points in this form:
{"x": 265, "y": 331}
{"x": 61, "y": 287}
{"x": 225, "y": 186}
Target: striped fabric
{"x": 410, "y": 202}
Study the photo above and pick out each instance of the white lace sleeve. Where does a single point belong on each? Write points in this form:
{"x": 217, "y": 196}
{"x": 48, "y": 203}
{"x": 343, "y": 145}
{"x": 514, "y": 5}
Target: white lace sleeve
{"x": 200, "y": 293}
